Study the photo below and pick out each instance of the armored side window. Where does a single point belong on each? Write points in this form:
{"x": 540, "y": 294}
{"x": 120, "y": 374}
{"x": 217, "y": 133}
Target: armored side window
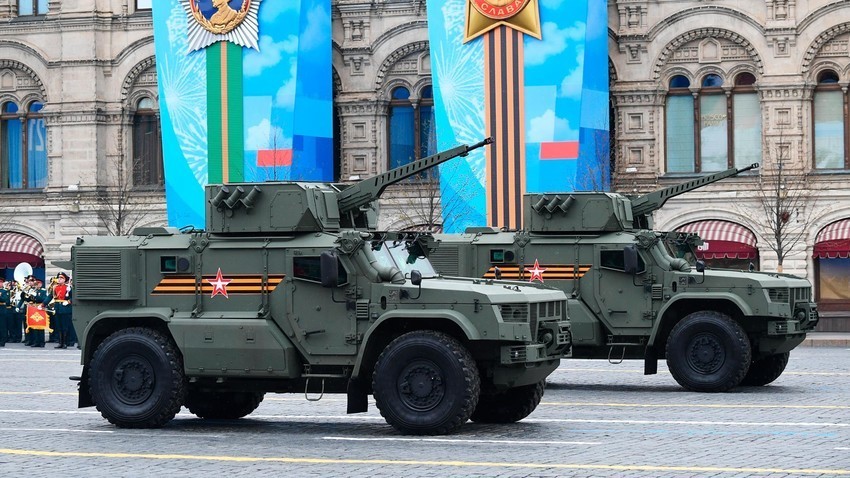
{"x": 309, "y": 268}
{"x": 614, "y": 259}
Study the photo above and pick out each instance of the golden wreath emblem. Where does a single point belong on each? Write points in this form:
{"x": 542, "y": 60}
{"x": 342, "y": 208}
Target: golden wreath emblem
{"x": 224, "y": 19}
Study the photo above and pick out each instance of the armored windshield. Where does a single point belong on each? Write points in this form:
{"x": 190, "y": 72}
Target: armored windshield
{"x": 397, "y": 255}
{"x": 680, "y": 245}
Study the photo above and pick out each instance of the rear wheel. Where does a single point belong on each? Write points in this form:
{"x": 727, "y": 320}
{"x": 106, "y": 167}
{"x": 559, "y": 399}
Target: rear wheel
{"x": 223, "y": 405}
{"x": 426, "y": 383}
{"x": 136, "y": 378}
{"x": 708, "y": 352}
{"x": 508, "y": 406}
{"x": 766, "y": 369}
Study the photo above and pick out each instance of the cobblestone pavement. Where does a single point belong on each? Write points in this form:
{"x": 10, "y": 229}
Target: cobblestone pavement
{"x": 596, "y": 419}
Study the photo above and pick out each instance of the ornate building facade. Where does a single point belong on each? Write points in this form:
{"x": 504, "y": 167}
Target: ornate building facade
{"x": 696, "y": 87}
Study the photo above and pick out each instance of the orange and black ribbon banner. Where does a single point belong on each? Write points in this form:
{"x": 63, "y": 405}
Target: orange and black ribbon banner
{"x": 504, "y": 119}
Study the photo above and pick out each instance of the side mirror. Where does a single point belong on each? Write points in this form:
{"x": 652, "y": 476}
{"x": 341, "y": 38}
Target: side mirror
{"x": 329, "y": 266}
{"x": 630, "y": 259}
{"x": 498, "y": 273}
{"x": 700, "y": 266}
{"x": 415, "y": 277}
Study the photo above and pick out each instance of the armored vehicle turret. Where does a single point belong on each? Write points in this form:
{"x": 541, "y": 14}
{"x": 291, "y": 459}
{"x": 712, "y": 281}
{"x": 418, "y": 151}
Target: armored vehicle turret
{"x": 634, "y": 295}
{"x": 596, "y": 212}
{"x": 291, "y": 290}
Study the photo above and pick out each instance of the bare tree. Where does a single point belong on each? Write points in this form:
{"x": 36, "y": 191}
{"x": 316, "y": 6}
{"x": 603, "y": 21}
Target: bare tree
{"x": 118, "y": 206}
{"x": 420, "y": 206}
{"x": 784, "y": 200}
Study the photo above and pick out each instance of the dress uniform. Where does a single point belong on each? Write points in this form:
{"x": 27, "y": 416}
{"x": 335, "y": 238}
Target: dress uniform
{"x": 61, "y": 304}
{"x": 5, "y": 319}
{"x": 34, "y": 295}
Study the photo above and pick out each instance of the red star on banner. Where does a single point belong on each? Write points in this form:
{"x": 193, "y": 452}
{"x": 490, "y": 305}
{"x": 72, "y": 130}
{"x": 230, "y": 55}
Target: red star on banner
{"x": 537, "y": 272}
{"x": 219, "y": 285}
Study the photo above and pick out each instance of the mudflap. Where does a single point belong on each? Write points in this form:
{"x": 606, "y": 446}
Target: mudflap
{"x": 358, "y": 397}
{"x": 83, "y": 393}
{"x": 650, "y": 361}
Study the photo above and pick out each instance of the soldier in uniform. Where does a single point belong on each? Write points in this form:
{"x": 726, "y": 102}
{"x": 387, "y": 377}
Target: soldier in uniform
{"x": 14, "y": 316}
{"x": 61, "y": 304}
{"x": 5, "y": 319}
{"x": 34, "y": 295}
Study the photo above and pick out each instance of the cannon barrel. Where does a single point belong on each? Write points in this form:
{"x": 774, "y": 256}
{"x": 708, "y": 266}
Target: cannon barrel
{"x": 650, "y": 202}
{"x": 363, "y": 192}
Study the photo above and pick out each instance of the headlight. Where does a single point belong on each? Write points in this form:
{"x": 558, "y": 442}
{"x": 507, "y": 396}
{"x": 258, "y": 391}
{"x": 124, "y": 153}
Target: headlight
{"x": 514, "y": 312}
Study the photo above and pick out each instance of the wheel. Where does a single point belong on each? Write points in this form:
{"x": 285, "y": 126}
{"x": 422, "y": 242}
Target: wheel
{"x": 509, "y": 406}
{"x": 224, "y": 405}
{"x": 708, "y": 352}
{"x": 766, "y": 369}
{"x": 136, "y": 378}
{"x": 426, "y": 383}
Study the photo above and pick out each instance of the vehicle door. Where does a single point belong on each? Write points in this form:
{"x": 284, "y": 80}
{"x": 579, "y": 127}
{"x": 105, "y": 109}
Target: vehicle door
{"x": 624, "y": 302}
{"x": 323, "y": 322}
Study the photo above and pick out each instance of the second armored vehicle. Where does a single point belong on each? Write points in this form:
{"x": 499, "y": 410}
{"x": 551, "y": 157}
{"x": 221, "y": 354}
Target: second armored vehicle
{"x": 290, "y": 290}
{"x": 634, "y": 295}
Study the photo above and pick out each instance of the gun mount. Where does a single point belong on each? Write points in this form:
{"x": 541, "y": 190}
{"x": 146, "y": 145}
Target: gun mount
{"x": 597, "y": 212}
{"x": 288, "y": 207}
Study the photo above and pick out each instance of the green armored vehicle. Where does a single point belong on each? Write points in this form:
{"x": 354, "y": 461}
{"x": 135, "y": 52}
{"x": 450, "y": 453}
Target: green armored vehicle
{"x": 633, "y": 293}
{"x": 291, "y": 290}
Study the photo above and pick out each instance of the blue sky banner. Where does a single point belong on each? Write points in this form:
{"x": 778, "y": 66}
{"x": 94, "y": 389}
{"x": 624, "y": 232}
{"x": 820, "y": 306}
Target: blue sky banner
{"x": 534, "y": 75}
{"x": 245, "y": 95}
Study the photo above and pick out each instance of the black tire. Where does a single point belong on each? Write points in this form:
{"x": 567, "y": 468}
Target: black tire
{"x": 707, "y": 351}
{"x": 766, "y": 369}
{"x": 136, "y": 378}
{"x": 509, "y": 406}
{"x": 426, "y": 383}
{"x": 223, "y": 405}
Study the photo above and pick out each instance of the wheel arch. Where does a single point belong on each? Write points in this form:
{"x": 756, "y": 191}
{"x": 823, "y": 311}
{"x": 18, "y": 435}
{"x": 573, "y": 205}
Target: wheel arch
{"x": 105, "y": 324}
{"x": 673, "y": 312}
{"x": 392, "y": 325}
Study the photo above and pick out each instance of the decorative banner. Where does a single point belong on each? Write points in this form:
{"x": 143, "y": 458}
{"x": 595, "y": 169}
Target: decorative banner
{"x": 533, "y": 74}
{"x": 245, "y": 95}
{"x": 37, "y": 318}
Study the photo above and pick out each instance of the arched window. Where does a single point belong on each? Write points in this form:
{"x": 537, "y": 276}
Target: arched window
{"x": 830, "y": 136}
{"x": 32, "y": 7}
{"x": 713, "y": 126}
{"x": 680, "y": 126}
{"x": 36, "y": 141}
{"x": 412, "y": 128}
{"x": 746, "y": 121}
{"x": 402, "y": 129}
{"x": 711, "y": 130}
{"x": 23, "y": 147}
{"x": 147, "y": 148}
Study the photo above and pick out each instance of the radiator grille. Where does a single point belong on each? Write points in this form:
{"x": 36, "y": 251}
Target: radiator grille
{"x": 778, "y": 295}
{"x": 98, "y": 275}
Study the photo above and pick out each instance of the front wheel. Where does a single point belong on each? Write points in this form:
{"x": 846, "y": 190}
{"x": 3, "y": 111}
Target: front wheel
{"x": 223, "y": 405}
{"x": 509, "y": 406}
{"x": 707, "y": 351}
{"x": 136, "y": 378}
{"x": 426, "y": 383}
{"x": 766, "y": 369}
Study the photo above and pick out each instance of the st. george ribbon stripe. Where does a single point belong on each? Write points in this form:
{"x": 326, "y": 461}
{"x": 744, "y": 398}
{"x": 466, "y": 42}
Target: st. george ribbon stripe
{"x": 504, "y": 114}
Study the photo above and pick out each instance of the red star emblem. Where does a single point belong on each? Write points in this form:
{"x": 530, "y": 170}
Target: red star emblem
{"x": 536, "y": 272}
{"x": 219, "y": 285}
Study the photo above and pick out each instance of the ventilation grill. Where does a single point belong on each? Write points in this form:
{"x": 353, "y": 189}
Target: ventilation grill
{"x": 444, "y": 260}
{"x": 802, "y": 294}
{"x": 362, "y": 309}
{"x": 102, "y": 275}
{"x": 657, "y": 291}
{"x": 778, "y": 294}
